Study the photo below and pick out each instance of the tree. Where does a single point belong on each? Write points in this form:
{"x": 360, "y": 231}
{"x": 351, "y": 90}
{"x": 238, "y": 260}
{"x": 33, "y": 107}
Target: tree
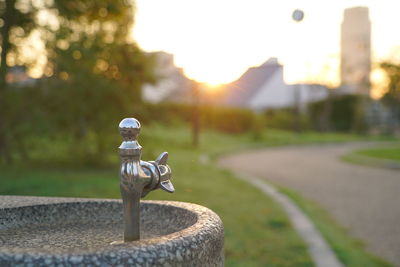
{"x": 17, "y": 22}
{"x": 392, "y": 71}
{"x": 392, "y": 97}
{"x": 97, "y": 70}
{"x": 94, "y": 70}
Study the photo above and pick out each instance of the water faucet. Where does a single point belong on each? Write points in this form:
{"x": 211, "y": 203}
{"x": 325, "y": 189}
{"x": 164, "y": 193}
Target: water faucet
{"x": 137, "y": 177}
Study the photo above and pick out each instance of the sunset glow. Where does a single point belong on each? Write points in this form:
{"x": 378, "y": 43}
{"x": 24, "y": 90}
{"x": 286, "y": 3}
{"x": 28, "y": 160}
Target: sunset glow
{"x": 379, "y": 80}
{"x": 215, "y": 41}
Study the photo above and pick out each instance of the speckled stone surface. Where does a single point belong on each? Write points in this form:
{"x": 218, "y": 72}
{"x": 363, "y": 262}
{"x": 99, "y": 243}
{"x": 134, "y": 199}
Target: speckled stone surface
{"x": 41, "y": 231}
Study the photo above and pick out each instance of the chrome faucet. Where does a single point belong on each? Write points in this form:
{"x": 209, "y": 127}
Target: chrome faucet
{"x": 137, "y": 177}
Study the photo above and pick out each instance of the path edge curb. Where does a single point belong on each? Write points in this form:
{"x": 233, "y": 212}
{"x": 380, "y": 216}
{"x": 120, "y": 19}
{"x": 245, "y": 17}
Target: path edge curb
{"x": 319, "y": 250}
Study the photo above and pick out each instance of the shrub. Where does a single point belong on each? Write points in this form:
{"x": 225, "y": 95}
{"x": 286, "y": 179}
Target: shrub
{"x": 284, "y": 119}
{"x": 346, "y": 113}
{"x": 223, "y": 119}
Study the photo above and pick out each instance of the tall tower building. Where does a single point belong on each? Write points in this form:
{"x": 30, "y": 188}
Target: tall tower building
{"x": 356, "y": 50}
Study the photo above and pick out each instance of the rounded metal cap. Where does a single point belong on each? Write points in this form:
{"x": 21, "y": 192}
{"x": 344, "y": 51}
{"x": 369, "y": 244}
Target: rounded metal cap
{"x": 129, "y": 129}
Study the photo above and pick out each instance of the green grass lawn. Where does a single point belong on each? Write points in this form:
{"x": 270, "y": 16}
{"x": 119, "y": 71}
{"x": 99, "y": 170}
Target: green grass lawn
{"x": 257, "y": 231}
{"x": 388, "y": 152}
{"x": 385, "y": 156}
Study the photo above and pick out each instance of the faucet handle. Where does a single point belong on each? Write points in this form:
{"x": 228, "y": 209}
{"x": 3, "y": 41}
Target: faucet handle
{"x": 162, "y": 159}
{"x": 165, "y": 173}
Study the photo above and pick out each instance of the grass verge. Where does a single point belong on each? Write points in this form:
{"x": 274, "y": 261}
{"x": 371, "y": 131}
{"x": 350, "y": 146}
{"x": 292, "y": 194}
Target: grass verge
{"x": 391, "y": 152}
{"x": 384, "y": 156}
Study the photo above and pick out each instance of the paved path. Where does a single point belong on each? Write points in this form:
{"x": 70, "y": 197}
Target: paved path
{"x": 366, "y": 200}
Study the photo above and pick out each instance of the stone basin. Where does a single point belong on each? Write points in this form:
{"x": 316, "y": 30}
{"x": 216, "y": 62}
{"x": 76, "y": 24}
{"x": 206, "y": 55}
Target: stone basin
{"x": 70, "y": 231}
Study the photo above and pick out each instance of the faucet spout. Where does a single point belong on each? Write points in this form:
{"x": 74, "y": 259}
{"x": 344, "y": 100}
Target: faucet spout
{"x": 137, "y": 177}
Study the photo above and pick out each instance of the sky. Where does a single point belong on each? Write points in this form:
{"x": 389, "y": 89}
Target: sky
{"x": 215, "y": 41}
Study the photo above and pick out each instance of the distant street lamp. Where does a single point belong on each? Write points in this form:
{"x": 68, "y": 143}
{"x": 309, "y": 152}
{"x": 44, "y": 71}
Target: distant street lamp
{"x": 195, "y": 113}
{"x": 297, "y": 16}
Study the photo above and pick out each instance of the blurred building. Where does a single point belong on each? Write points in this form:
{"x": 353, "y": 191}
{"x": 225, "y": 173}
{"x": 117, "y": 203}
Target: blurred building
{"x": 171, "y": 80}
{"x": 356, "y": 50}
{"x": 263, "y": 87}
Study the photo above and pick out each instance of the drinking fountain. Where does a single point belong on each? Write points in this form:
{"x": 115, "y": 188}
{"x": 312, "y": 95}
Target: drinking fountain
{"x": 52, "y": 231}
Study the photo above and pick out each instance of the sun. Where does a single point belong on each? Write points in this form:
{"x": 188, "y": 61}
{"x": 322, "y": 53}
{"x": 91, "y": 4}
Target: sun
{"x": 212, "y": 88}
{"x": 379, "y": 83}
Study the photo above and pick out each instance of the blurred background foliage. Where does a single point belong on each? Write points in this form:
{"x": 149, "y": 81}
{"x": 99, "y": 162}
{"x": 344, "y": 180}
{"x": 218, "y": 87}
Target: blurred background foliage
{"x": 93, "y": 74}
{"x": 92, "y": 77}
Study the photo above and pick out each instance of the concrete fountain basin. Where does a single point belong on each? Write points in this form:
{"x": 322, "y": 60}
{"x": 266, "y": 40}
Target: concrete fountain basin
{"x": 79, "y": 232}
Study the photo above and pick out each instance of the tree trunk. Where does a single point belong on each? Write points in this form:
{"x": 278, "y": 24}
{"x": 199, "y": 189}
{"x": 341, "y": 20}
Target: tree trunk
{"x": 5, "y": 40}
{"x": 5, "y": 47}
{"x": 296, "y": 109}
{"x": 195, "y": 114}
{"x": 325, "y": 120}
